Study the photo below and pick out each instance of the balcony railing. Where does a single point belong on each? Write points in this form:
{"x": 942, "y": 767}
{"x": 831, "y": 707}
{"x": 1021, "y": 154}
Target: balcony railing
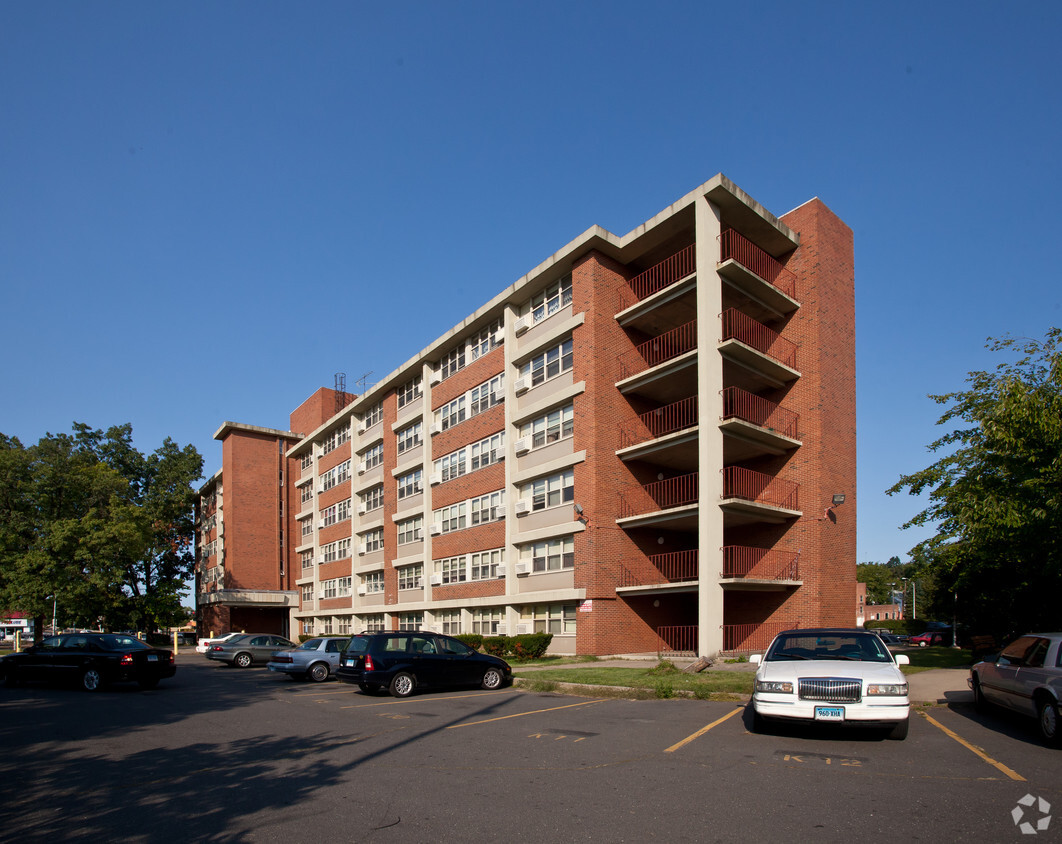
{"x": 662, "y": 495}
{"x": 740, "y": 561}
{"x": 750, "y": 485}
{"x": 739, "y": 248}
{"x": 656, "y": 278}
{"x": 746, "y": 638}
{"x": 676, "y": 566}
{"x": 660, "y": 422}
{"x": 741, "y": 404}
{"x": 678, "y": 639}
{"x": 741, "y": 327}
{"x": 660, "y": 349}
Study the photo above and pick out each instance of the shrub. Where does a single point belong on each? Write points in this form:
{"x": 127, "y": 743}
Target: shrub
{"x": 473, "y": 640}
{"x": 497, "y": 645}
{"x": 664, "y": 689}
{"x": 524, "y": 646}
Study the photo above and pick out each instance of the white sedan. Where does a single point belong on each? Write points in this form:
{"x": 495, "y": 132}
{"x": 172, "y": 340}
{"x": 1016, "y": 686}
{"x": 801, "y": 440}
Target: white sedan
{"x": 203, "y": 645}
{"x": 831, "y": 676}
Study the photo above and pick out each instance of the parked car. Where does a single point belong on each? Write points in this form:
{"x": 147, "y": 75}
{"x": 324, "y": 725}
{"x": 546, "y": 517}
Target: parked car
{"x": 831, "y": 676}
{"x": 403, "y": 662}
{"x": 93, "y": 660}
{"x": 203, "y": 645}
{"x": 314, "y": 659}
{"x": 1025, "y": 677}
{"x": 248, "y": 649}
{"x": 890, "y": 638}
{"x": 930, "y": 637}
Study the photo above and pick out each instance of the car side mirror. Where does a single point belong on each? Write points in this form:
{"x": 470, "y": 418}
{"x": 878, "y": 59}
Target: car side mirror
{"x": 756, "y": 659}
{"x": 903, "y": 659}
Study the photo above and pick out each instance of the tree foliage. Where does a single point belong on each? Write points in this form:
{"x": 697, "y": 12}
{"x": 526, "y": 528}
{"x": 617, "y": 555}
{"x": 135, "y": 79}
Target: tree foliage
{"x": 996, "y": 494}
{"x": 107, "y": 530}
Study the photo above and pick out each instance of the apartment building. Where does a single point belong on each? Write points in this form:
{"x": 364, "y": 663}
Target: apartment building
{"x": 645, "y": 444}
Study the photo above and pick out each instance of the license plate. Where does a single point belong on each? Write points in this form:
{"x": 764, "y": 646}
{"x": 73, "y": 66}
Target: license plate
{"x": 829, "y": 713}
{"x": 153, "y": 657}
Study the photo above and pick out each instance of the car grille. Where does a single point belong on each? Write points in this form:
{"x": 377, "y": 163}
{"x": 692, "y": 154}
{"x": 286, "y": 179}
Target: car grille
{"x": 831, "y": 689}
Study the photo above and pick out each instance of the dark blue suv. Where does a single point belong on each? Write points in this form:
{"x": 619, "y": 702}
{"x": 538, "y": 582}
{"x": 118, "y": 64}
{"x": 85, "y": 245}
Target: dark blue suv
{"x": 403, "y": 661}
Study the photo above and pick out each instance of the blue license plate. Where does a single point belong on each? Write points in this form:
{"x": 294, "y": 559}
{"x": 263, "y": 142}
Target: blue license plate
{"x": 153, "y": 657}
{"x": 829, "y": 713}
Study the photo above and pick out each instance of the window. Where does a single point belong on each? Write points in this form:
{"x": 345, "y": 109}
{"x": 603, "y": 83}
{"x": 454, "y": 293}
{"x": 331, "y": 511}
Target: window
{"x": 488, "y": 508}
{"x": 452, "y": 569}
{"x": 371, "y": 416}
{"x": 343, "y": 549}
{"x": 552, "y": 299}
{"x": 329, "y": 587}
{"x": 485, "y": 564}
{"x": 307, "y": 528}
{"x": 486, "y": 395}
{"x": 335, "y": 439}
{"x": 335, "y": 476}
{"x": 373, "y": 540}
{"x": 409, "y": 437}
{"x": 553, "y": 491}
{"x": 409, "y": 577}
{"x": 449, "y": 621}
{"x": 408, "y": 392}
{"x": 549, "y": 364}
{"x": 410, "y": 530}
{"x": 452, "y": 413}
{"x": 373, "y": 498}
{"x": 329, "y": 553}
{"x": 373, "y": 457}
{"x": 483, "y": 341}
{"x": 452, "y": 466}
{"x": 410, "y": 484}
{"x": 410, "y": 620}
{"x": 550, "y": 618}
{"x": 485, "y": 620}
{"x": 307, "y": 594}
{"x": 307, "y": 493}
{"x": 306, "y": 558}
{"x": 452, "y": 362}
{"x": 374, "y": 582}
{"x": 336, "y": 513}
{"x": 555, "y": 425}
{"x": 343, "y": 587}
{"x": 552, "y": 555}
{"x": 488, "y": 451}
{"x": 373, "y": 623}
{"x": 343, "y": 629}
{"x": 451, "y": 518}
{"x": 343, "y": 510}
{"x": 307, "y": 460}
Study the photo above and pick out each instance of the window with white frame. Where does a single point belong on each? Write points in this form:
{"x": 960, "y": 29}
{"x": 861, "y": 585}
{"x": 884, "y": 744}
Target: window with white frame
{"x": 306, "y": 558}
{"x": 484, "y": 564}
{"x": 488, "y": 508}
{"x": 343, "y": 548}
{"x": 372, "y": 540}
{"x": 487, "y": 451}
{"x": 409, "y": 437}
{"x": 329, "y": 587}
{"x": 343, "y": 625}
{"x": 452, "y": 413}
{"x": 373, "y": 499}
{"x": 409, "y": 577}
{"x": 484, "y": 340}
{"x": 343, "y": 510}
{"x": 410, "y": 620}
{"x": 408, "y": 392}
{"x": 485, "y": 620}
{"x": 373, "y": 582}
{"x": 307, "y": 593}
{"x": 549, "y": 364}
{"x": 307, "y": 527}
{"x": 448, "y": 621}
{"x": 307, "y": 461}
{"x": 371, "y": 416}
{"x": 343, "y": 587}
{"x": 336, "y": 475}
{"x": 486, "y": 395}
{"x": 452, "y": 569}
{"x": 410, "y": 530}
{"x": 556, "y": 425}
{"x": 410, "y": 484}
{"x": 373, "y": 457}
{"x": 547, "y": 302}
{"x": 550, "y": 618}
{"x": 452, "y": 466}
{"x": 326, "y": 626}
{"x": 374, "y": 623}
{"x": 329, "y": 552}
{"x": 552, "y": 554}
{"x": 307, "y": 493}
{"x": 552, "y": 491}
{"x": 452, "y": 362}
{"x": 452, "y": 518}
{"x": 335, "y": 439}
{"x": 336, "y": 513}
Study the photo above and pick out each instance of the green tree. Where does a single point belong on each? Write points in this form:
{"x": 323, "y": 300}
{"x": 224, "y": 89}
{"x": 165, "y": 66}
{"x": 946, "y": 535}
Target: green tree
{"x": 108, "y": 531}
{"x": 995, "y": 497}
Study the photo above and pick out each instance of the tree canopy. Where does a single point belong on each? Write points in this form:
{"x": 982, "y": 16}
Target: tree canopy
{"x": 995, "y": 496}
{"x": 108, "y": 531}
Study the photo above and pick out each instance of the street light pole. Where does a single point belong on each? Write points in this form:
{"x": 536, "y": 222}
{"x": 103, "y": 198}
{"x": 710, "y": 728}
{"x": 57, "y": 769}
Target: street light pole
{"x": 54, "y": 602}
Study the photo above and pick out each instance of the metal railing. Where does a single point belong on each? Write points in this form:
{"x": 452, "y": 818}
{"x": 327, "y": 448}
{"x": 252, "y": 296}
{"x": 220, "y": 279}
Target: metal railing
{"x": 741, "y": 327}
{"x": 739, "y": 248}
{"x": 660, "y": 422}
{"x": 741, "y": 561}
{"x": 676, "y": 566}
{"x": 750, "y": 485}
{"x": 679, "y": 266}
{"x": 741, "y": 404}
{"x": 746, "y": 638}
{"x": 678, "y": 639}
{"x": 662, "y": 495}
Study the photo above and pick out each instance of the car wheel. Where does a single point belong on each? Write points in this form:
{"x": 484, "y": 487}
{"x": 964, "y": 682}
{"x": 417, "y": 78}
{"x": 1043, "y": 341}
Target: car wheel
{"x": 242, "y": 660}
{"x": 759, "y": 725}
{"x": 91, "y": 681}
{"x": 492, "y": 679}
{"x": 921, "y": 644}
{"x": 147, "y": 683}
{"x": 980, "y": 701}
{"x": 318, "y": 672}
{"x": 402, "y": 684}
{"x": 899, "y": 730}
{"x": 1047, "y": 718}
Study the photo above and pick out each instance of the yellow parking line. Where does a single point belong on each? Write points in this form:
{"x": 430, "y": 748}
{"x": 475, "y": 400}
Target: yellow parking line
{"x": 522, "y": 714}
{"x": 398, "y": 701}
{"x": 703, "y": 730}
{"x": 951, "y": 734}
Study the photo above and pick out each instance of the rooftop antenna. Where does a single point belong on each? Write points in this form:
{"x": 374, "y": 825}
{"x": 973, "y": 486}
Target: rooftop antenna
{"x": 341, "y": 391}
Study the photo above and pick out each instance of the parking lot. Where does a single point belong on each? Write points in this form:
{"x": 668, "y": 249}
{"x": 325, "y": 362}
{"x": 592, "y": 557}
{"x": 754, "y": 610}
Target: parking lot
{"x": 227, "y": 755}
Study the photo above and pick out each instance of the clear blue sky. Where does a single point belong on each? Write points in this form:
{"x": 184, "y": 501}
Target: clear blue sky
{"x": 207, "y": 208}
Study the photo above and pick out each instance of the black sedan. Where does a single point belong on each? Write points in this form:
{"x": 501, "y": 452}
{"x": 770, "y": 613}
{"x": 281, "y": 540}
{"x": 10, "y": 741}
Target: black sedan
{"x": 91, "y": 659}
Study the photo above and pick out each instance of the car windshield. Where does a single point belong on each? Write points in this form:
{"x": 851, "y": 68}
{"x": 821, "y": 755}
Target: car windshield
{"x": 862, "y": 647}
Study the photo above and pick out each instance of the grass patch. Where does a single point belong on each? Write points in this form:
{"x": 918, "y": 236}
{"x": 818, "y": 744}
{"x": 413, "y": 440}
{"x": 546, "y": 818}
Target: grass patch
{"x": 922, "y": 659}
{"x": 658, "y": 681}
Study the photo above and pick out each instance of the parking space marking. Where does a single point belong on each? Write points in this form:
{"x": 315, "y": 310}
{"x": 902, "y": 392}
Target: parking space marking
{"x": 973, "y": 748}
{"x": 400, "y": 701}
{"x": 703, "y": 730}
{"x": 522, "y": 714}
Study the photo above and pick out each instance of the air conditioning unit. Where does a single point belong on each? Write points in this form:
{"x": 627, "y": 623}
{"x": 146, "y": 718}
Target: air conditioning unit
{"x": 522, "y": 386}
{"x": 435, "y": 530}
{"x": 361, "y": 550}
{"x": 499, "y": 337}
{"x": 363, "y": 590}
{"x": 434, "y": 429}
{"x": 500, "y": 571}
{"x": 523, "y": 507}
{"x": 436, "y": 377}
{"x": 321, "y": 524}
{"x": 523, "y": 445}
{"x": 523, "y": 628}
{"x": 362, "y": 509}
{"x": 436, "y": 580}
{"x": 521, "y": 325}
{"x": 523, "y": 568}
{"x": 501, "y": 630}
{"x": 361, "y": 428}
{"x": 361, "y": 468}
{"x": 320, "y": 595}
{"x": 436, "y": 478}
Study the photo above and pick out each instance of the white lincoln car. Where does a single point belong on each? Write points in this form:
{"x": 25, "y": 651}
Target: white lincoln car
{"x": 831, "y": 676}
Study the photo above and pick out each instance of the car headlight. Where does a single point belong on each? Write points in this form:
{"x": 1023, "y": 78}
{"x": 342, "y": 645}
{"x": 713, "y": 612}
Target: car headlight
{"x": 783, "y": 686}
{"x": 890, "y": 689}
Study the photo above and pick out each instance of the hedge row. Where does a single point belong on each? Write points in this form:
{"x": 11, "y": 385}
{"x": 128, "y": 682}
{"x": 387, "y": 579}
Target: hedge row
{"x": 525, "y": 646}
